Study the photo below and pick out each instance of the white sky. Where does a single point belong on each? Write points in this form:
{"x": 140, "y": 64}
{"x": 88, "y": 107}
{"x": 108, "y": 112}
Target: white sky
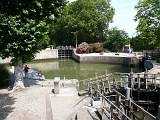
{"x": 124, "y": 15}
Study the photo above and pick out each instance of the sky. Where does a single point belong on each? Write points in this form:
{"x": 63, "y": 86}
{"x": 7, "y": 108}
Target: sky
{"x": 124, "y": 15}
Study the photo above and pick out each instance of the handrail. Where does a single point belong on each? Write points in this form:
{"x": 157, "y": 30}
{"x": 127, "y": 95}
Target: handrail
{"x": 131, "y": 101}
{"x": 119, "y": 110}
{"x": 139, "y": 107}
{"x": 92, "y": 84}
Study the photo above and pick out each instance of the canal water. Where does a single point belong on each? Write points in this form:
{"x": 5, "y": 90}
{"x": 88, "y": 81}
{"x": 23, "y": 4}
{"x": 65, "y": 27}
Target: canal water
{"x": 71, "y": 69}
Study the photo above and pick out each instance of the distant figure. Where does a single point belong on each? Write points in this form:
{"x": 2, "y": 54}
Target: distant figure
{"x": 26, "y": 68}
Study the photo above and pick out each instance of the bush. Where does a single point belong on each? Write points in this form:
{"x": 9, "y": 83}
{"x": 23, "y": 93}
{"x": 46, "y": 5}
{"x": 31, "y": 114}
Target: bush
{"x": 89, "y": 48}
{"x": 4, "y": 76}
{"x": 83, "y": 48}
{"x": 98, "y": 47}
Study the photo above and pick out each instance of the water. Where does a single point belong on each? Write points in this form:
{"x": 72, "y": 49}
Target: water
{"x": 71, "y": 69}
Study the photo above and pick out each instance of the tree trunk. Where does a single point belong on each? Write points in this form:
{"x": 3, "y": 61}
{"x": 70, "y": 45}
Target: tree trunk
{"x": 18, "y": 73}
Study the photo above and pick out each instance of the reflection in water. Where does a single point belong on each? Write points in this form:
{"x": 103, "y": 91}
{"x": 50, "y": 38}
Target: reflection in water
{"x": 73, "y": 70}
{"x": 45, "y": 65}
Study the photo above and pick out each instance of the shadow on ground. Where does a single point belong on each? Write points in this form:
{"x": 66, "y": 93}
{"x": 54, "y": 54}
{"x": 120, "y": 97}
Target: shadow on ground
{"x": 6, "y": 103}
{"x": 30, "y": 82}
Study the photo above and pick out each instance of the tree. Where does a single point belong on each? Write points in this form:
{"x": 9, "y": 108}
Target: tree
{"x": 139, "y": 44}
{"x": 148, "y": 17}
{"x": 87, "y": 18}
{"x": 115, "y": 39}
{"x": 24, "y": 28}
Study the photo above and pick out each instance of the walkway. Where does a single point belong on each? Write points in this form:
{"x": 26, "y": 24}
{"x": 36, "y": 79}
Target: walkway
{"x": 37, "y": 102}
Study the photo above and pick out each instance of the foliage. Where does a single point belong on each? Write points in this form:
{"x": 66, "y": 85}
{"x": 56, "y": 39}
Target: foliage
{"x": 95, "y": 47}
{"x": 115, "y": 39}
{"x": 140, "y": 44}
{"x": 4, "y": 76}
{"x": 83, "y": 48}
{"x": 84, "y": 19}
{"x": 148, "y": 17}
{"x": 24, "y": 26}
{"x": 89, "y": 48}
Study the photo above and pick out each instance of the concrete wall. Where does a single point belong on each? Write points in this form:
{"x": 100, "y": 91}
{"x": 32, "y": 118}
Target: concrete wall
{"x": 105, "y": 58}
{"x": 47, "y": 54}
{"x": 43, "y": 54}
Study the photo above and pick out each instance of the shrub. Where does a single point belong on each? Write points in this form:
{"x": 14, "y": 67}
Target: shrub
{"x": 83, "y": 48}
{"x": 4, "y": 76}
{"x": 89, "y": 48}
{"x": 95, "y": 47}
{"x": 98, "y": 47}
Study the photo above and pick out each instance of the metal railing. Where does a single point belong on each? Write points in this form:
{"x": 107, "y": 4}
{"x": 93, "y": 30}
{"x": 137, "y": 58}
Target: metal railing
{"x": 116, "y": 106}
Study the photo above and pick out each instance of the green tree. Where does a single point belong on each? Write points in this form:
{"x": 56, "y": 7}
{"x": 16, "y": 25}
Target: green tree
{"x": 148, "y": 17}
{"x": 24, "y": 28}
{"x": 87, "y": 18}
{"x": 139, "y": 44}
{"x": 115, "y": 39}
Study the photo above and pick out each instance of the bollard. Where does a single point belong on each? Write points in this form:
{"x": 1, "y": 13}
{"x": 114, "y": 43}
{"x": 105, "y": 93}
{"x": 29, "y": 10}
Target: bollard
{"x": 56, "y": 85}
{"x": 155, "y": 84}
{"x": 128, "y": 93}
{"x": 139, "y": 81}
{"x": 85, "y": 84}
{"x": 132, "y": 80}
{"x": 126, "y": 81}
{"x": 146, "y": 78}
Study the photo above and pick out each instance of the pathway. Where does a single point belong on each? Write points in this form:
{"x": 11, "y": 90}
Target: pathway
{"x": 37, "y": 102}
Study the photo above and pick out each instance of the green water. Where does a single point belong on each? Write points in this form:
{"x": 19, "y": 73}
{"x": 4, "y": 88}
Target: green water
{"x": 71, "y": 69}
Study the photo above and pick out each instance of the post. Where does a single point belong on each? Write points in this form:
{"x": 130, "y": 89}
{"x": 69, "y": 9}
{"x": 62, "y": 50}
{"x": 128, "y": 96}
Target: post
{"x": 76, "y": 41}
{"x": 56, "y": 85}
{"x": 139, "y": 81}
{"x": 126, "y": 81}
{"x": 103, "y": 106}
{"x": 155, "y": 86}
{"x": 111, "y": 112}
{"x": 130, "y": 48}
{"x": 103, "y": 87}
{"x": 146, "y": 78}
{"x": 128, "y": 92}
{"x": 118, "y": 100}
{"x": 109, "y": 87}
{"x": 91, "y": 92}
{"x": 131, "y": 80}
{"x": 121, "y": 82}
{"x": 127, "y": 101}
{"x": 75, "y": 34}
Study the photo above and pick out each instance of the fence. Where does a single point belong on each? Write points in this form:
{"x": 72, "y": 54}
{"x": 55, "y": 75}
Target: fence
{"x": 114, "y": 105}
